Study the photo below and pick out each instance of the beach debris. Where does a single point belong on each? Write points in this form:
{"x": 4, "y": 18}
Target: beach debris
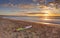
{"x": 20, "y": 29}
{"x": 27, "y": 27}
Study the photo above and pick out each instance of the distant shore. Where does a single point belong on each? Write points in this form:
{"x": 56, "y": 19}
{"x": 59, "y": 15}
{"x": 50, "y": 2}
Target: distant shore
{"x": 38, "y": 30}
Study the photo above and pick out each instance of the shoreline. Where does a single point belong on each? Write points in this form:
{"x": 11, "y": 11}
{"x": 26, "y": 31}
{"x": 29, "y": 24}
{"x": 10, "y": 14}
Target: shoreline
{"x": 33, "y": 22}
{"x": 43, "y": 23}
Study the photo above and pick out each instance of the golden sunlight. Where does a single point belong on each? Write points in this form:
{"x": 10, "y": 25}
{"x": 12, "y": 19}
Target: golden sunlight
{"x": 46, "y": 15}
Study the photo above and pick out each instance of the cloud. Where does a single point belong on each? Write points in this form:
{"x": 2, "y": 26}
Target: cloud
{"x": 23, "y": 6}
{"x": 7, "y": 5}
{"x": 34, "y": 0}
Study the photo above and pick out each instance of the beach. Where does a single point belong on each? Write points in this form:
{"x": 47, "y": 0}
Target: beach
{"x": 38, "y": 30}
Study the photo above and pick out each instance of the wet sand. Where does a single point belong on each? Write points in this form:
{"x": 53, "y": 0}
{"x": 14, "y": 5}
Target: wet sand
{"x": 38, "y": 30}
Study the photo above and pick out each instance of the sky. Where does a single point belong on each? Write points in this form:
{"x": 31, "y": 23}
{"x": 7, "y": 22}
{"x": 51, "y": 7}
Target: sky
{"x": 14, "y": 6}
{"x": 18, "y": 1}
{"x": 15, "y": 1}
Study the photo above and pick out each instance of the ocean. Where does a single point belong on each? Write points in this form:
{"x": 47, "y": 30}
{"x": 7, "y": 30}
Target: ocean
{"x": 49, "y": 19}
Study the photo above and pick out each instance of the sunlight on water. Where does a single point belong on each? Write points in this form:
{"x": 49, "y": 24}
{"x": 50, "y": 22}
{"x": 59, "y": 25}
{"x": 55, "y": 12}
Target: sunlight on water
{"x": 46, "y": 19}
{"x": 47, "y": 13}
{"x": 46, "y": 23}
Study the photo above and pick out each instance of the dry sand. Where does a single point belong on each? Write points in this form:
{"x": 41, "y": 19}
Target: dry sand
{"x": 7, "y": 29}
